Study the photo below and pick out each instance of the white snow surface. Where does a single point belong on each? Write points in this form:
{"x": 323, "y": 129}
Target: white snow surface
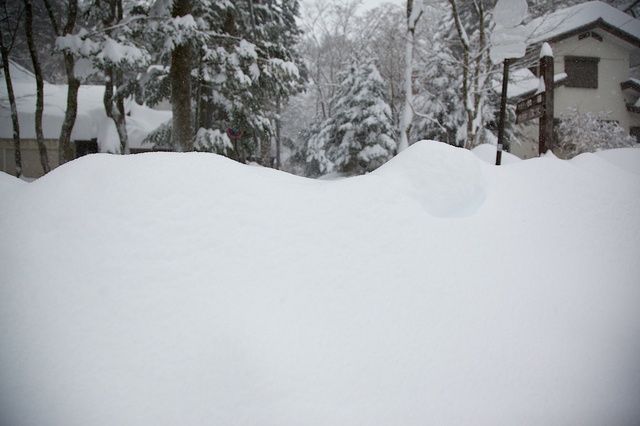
{"x": 164, "y": 289}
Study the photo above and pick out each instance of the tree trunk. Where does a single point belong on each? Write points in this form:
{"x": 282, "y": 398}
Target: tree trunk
{"x": 121, "y": 122}
{"x": 114, "y": 107}
{"x": 4, "y": 51}
{"x": 73, "y": 86}
{"x": 277, "y": 164}
{"x": 44, "y": 157}
{"x": 413, "y": 15}
{"x": 68, "y": 153}
{"x": 112, "y": 99}
{"x": 180, "y": 76}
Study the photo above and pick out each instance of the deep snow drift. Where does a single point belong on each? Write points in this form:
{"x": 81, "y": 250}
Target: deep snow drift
{"x": 164, "y": 289}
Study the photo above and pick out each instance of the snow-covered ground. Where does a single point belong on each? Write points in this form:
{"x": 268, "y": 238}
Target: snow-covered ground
{"x": 164, "y": 289}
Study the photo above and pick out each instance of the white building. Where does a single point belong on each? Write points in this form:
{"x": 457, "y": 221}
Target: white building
{"x": 595, "y": 48}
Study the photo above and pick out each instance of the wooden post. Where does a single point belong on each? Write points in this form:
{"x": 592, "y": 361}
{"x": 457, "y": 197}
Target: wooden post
{"x": 545, "y": 141}
{"x": 503, "y": 109}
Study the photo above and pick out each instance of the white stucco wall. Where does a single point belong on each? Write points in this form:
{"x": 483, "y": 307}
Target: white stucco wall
{"x": 613, "y": 69}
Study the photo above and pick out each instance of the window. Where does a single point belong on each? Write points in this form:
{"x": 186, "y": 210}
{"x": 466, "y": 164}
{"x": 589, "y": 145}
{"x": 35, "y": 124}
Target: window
{"x": 635, "y": 132}
{"x": 86, "y": 147}
{"x": 582, "y": 71}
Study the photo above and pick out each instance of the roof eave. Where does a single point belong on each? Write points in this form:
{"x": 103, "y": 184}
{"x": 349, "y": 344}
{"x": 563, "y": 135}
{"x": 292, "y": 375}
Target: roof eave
{"x": 630, "y": 84}
{"x": 598, "y": 23}
{"x": 556, "y": 84}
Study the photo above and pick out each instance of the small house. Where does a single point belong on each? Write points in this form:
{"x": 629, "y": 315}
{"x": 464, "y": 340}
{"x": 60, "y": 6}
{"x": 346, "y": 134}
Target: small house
{"x": 596, "y": 50}
{"x": 92, "y": 132}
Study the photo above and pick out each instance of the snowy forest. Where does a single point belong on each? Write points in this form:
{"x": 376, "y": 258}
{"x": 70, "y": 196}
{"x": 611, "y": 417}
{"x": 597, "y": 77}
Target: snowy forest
{"x": 313, "y": 87}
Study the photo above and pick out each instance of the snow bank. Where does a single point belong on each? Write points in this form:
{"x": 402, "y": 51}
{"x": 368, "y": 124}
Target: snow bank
{"x": 625, "y": 158}
{"x": 445, "y": 183}
{"x": 163, "y": 289}
{"x": 8, "y": 182}
{"x": 487, "y": 153}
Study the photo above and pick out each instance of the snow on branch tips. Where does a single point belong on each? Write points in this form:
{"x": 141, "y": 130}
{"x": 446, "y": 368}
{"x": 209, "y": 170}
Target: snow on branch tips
{"x": 76, "y": 44}
{"x": 114, "y": 52}
{"x": 180, "y": 30}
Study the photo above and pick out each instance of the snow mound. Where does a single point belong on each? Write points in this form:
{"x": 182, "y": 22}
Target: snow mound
{"x": 447, "y": 181}
{"x": 625, "y": 158}
{"x": 7, "y": 181}
{"x": 164, "y": 288}
{"x": 487, "y": 153}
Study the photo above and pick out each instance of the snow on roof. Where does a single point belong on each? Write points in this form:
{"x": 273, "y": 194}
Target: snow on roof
{"x": 19, "y": 74}
{"x": 91, "y": 116}
{"x": 573, "y": 18}
{"x": 522, "y": 82}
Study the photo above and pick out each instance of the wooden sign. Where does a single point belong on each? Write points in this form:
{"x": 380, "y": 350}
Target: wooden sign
{"x": 535, "y": 111}
{"x": 530, "y": 108}
{"x": 530, "y": 102}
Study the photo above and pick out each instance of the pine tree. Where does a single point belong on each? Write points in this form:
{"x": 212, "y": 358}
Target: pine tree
{"x": 359, "y": 137}
{"x": 243, "y": 66}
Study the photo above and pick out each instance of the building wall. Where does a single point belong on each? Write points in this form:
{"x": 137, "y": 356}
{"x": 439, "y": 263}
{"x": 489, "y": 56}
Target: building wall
{"x": 30, "y": 157}
{"x": 613, "y": 69}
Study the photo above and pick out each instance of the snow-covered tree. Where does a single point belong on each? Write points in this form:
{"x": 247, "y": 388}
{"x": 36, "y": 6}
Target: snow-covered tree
{"x": 116, "y": 53}
{"x": 243, "y": 65}
{"x": 580, "y": 132}
{"x": 471, "y": 23}
{"x": 359, "y": 136}
{"x": 380, "y": 31}
{"x": 439, "y": 114}
{"x": 330, "y": 29}
{"x": 334, "y": 32}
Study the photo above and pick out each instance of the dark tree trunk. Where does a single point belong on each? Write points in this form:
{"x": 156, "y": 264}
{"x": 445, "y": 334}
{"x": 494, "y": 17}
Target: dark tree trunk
{"x": 73, "y": 86}
{"x": 68, "y": 153}
{"x": 121, "y": 122}
{"x": 114, "y": 106}
{"x": 180, "y": 75}
{"x": 113, "y": 100}
{"x": 4, "y": 51}
{"x": 44, "y": 157}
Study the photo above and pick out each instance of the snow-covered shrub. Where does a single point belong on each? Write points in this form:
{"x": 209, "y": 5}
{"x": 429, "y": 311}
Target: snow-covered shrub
{"x": 581, "y": 132}
{"x": 160, "y": 138}
{"x": 210, "y": 140}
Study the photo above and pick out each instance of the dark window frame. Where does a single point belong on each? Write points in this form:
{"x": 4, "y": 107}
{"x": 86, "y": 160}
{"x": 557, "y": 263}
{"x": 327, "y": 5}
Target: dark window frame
{"x": 635, "y": 132}
{"x": 582, "y": 72}
{"x": 86, "y": 147}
